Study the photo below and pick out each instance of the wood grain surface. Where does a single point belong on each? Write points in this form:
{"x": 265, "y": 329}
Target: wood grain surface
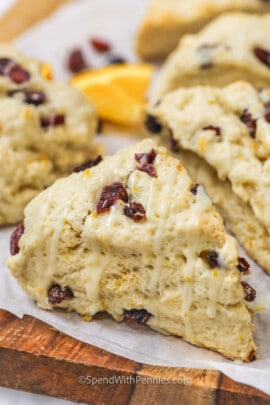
{"x": 25, "y": 13}
{"x": 35, "y": 357}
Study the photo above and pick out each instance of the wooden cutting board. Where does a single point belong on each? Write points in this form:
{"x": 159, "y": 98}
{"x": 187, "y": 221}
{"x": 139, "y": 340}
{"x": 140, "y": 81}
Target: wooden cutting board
{"x": 37, "y": 358}
{"x": 25, "y": 13}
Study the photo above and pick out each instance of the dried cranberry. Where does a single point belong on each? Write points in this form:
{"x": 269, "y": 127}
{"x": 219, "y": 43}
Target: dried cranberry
{"x": 110, "y": 194}
{"x": 58, "y": 294}
{"x": 136, "y": 316}
{"x": 211, "y": 257}
{"x": 88, "y": 164}
{"x": 252, "y": 354}
{"x": 243, "y": 265}
{"x": 194, "y": 189}
{"x": 13, "y": 71}
{"x": 100, "y": 45}
{"x": 250, "y": 122}
{"x": 173, "y": 143}
{"x": 146, "y": 157}
{"x": 76, "y": 61}
{"x": 52, "y": 120}
{"x": 250, "y": 293}
{"x": 212, "y": 128}
{"x": 4, "y": 63}
{"x": 35, "y": 97}
{"x": 263, "y": 55}
{"x": 18, "y": 75}
{"x": 135, "y": 211}
{"x": 116, "y": 60}
{"x": 267, "y": 112}
{"x": 152, "y": 124}
{"x": 205, "y": 51}
{"x": 15, "y": 238}
{"x": 146, "y": 161}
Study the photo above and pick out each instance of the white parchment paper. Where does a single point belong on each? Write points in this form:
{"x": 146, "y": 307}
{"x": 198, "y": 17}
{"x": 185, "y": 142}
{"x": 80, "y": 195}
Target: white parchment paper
{"x": 116, "y": 20}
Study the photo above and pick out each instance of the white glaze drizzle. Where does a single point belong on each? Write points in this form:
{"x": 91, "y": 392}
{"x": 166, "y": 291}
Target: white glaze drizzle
{"x": 54, "y": 243}
{"x": 215, "y": 282}
{"x": 102, "y": 258}
{"x": 164, "y": 213}
{"x": 201, "y": 204}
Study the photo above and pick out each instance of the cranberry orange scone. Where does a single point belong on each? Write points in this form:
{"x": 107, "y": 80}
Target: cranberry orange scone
{"x": 233, "y": 47}
{"x": 237, "y": 214}
{"x": 230, "y": 129}
{"x": 167, "y": 20}
{"x": 46, "y": 130}
{"x": 135, "y": 237}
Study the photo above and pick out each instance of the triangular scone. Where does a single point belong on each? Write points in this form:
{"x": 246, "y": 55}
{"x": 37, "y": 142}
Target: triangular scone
{"x": 237, "y": 214}
{"x": 167, "y": 20}
{"x": 47, "y": 129}
{"x": 135, "y": 237}
{"x": 230, "y": 48}
{"x": 230, "y": 129}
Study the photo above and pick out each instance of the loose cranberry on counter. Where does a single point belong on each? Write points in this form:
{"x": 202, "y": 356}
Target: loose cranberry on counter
{"x": 263, "y": 55}
{"x": 15, "y": 238}
{"x": 250, "y": 122}
{"x": 88, "y": 164}
{"x": 58, "y": 294}
{"x": 52, "y": 120}
{"x": 135, "y": 211}
{"x": 250, "y": 293}
{"x": 136, "y": 316}
{"x": 110, "y": 194}
{"x": 100, "y": 45}
{"x": 13, "y": 71}
{"x": 76, "y": 61}
{"x": 35, "y": 97}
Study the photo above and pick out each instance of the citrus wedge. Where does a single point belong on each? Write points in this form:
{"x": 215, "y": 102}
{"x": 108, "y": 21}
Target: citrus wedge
{"x": 117, "y": 91}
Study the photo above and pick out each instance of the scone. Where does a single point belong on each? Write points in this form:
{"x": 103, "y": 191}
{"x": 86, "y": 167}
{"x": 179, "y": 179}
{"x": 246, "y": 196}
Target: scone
{"x": 233, "y": 47}
{"x": 167, "y": 20}
{"x": 230, "y": 129}
{"x": 46, "y": 130}
{"x": 134, "y": 236}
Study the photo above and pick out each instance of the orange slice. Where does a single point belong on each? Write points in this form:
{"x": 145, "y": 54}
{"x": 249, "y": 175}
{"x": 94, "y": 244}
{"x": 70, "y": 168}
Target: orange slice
{"x": 117, "y": 91}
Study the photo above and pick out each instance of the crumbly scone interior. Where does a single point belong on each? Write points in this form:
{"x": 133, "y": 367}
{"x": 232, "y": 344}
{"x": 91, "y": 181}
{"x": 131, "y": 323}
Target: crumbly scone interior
{"x": 115, "y": 264}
